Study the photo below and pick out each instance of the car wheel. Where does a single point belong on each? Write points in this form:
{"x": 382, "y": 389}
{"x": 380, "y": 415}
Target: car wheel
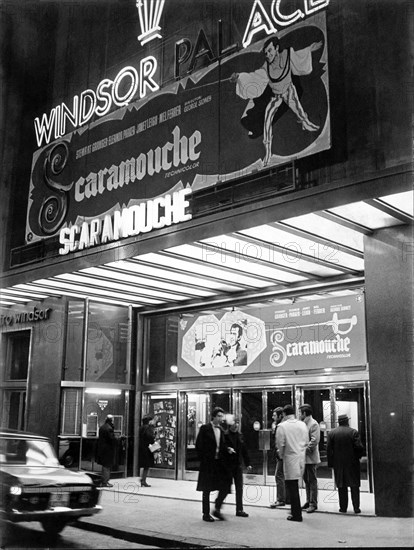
{"x": 53, "y": 526}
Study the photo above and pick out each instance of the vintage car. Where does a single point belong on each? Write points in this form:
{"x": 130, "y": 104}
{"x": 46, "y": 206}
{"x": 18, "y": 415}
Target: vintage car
{"x": 35, "y": 487}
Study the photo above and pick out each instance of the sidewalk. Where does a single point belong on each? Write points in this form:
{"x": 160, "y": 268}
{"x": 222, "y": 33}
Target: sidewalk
{"x": 168, "y": 514}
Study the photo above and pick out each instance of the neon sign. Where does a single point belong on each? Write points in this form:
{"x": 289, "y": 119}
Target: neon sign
{"x": 149, "y": 12}
{"x": 99, "y": 102}
{"x": 259, "y": 19}
{"x": 140, "y": 218}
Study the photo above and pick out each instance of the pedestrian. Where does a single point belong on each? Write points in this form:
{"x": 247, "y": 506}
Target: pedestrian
{"x": 344, "y": 450}
{"x": 214, "y": 474}
{"x": 237, "y": 456}
{"x": 312, "y": 459}
{"x": 281, "y": 496}
{"x": 291, "y": 441}
{"x": 105, "y": 453}
{"x": 145, "y": 455}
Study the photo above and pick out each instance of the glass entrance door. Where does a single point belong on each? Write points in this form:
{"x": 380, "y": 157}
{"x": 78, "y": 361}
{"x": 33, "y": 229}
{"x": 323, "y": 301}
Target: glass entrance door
{"x": 257, "y": 427}
{"x": 327, "y": 403}
{"x": 198, "y": 407}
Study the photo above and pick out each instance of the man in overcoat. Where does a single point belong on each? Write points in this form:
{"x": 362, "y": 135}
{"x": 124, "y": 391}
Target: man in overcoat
{"x": 105, "y": 453}
{"x": 312, "y": 459}
{"x": 291, "y": 442}
{"x": 344, "y": 450}
{"x": 214, "y": 473}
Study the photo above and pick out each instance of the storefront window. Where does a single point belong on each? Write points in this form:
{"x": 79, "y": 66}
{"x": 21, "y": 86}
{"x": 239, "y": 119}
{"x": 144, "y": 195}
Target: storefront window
{"x": 163, "y": 343}
{"x": 72, "y": 369}
{"x": 163, "y": 408}
{"x": 18, "y": 345}
{"x": 107, "y": 344}
{"x": 70, "y": 414}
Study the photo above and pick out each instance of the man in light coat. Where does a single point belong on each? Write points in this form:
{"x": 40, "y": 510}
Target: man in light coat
{"x": 291, "y": 442}
{"x": 312, "y": 459}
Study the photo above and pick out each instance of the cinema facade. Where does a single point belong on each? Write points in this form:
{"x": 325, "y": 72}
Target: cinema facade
{"x": 174, "y": 259}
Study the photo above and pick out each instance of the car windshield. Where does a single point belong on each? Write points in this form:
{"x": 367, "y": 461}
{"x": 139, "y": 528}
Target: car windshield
{"x": 27, "y": 452}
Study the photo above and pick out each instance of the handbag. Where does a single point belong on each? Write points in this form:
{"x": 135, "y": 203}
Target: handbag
{"x": 153, "y": 447}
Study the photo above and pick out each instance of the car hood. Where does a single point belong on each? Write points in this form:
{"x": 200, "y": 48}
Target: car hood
{"x": 41, "y": 476}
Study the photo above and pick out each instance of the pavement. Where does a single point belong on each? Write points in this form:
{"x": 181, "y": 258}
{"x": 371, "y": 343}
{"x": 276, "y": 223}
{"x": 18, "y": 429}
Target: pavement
{"x": 168, "y": 515}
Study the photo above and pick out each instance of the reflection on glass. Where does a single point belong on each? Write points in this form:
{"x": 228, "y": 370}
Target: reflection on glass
{"x": 252, "y": 413}
{"x": 72, "y": 369}
{"x": 197, "y": 415}
{"x": 106, "y": 352}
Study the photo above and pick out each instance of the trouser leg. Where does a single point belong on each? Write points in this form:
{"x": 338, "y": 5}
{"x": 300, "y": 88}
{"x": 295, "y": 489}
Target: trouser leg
{"x": 144, "y": 473}
{"x": 343, "y": 498}
{"x": 271, "y": 109}
{"x": 106, "y": 474}
{"x": 206, "y": 503}
{"x": 355, "y": 497}
{"x": 292, "y": 99}
{"x": 280, "y": 482}
{"x": 238, "y": 484}
{"x": 220, "y": 498}
{"x": 293, "y": 492}
{"x": 311, "y": 485}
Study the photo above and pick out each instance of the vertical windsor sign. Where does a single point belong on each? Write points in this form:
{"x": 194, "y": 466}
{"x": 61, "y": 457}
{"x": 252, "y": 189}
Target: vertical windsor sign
{"x": 188, "y": 135}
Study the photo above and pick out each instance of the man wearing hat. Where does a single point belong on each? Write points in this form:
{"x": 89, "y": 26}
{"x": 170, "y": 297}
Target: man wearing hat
{"x": 105, "y": 454}
{"x": 312, "y": 458}
{"x": 344, "y": 451}
{"x": 291, "y": 441}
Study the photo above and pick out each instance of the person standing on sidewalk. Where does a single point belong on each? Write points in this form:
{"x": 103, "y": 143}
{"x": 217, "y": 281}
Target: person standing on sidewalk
{"x": 281, "y": 497}
{"x": 214, "y": 473}
{"x": 312, "y": 459}
{"x": 105, "y": 453}
{"x": 291, "y": 442}
{"x": 344, "y": 450}
{"x": 237, "y": 455}
{"x": 145, "y": 456}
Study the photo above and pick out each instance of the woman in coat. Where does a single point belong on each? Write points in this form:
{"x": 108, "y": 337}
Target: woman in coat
{"x": 145, "y": 456}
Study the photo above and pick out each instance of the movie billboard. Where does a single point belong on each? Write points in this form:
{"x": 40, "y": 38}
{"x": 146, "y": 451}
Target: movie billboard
{"x": 259, "y": 107}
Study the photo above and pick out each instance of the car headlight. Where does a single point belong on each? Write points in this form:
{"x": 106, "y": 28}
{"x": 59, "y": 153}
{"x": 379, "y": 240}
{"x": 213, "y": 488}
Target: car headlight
{"x": 15, "y": 490}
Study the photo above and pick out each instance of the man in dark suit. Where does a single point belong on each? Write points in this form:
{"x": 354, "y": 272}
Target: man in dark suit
{"x": 238, "y": 455}
{"x": 214, "y": 474}
{"x": 344, "y": 451}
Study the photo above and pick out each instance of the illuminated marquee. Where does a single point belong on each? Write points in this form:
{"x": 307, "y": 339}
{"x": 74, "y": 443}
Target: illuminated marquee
{"x": 141, "y": 218}
{"x": 99, "y": 102}
{"x": 259, "y": 19}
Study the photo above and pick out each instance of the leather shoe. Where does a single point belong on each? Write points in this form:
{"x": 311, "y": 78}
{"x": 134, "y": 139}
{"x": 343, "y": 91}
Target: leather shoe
{"x": 242, "y": 514}
{"x": 217, "y": 514}
{"x": 276, "y": 504}
{"x": 342, "y": 511}
{"x": 208, "y": 518}
{"x": 305, "y": 506}
{"x": 357, "y": 510}
{"x": 145, "y": 484}
{"x": 292, "y": 518}
{"x": 311, "y": 509}
{"x": 106, "y": 485}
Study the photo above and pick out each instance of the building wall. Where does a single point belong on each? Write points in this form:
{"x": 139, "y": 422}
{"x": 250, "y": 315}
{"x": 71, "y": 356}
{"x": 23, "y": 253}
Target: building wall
{"x": 45, "y": 365}
{"x": 389, "y": 310}
{"x": 57, "y": 50}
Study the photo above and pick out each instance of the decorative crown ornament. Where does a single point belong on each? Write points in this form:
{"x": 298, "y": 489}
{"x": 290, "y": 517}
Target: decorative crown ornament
{"x": 149, "y": 12}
